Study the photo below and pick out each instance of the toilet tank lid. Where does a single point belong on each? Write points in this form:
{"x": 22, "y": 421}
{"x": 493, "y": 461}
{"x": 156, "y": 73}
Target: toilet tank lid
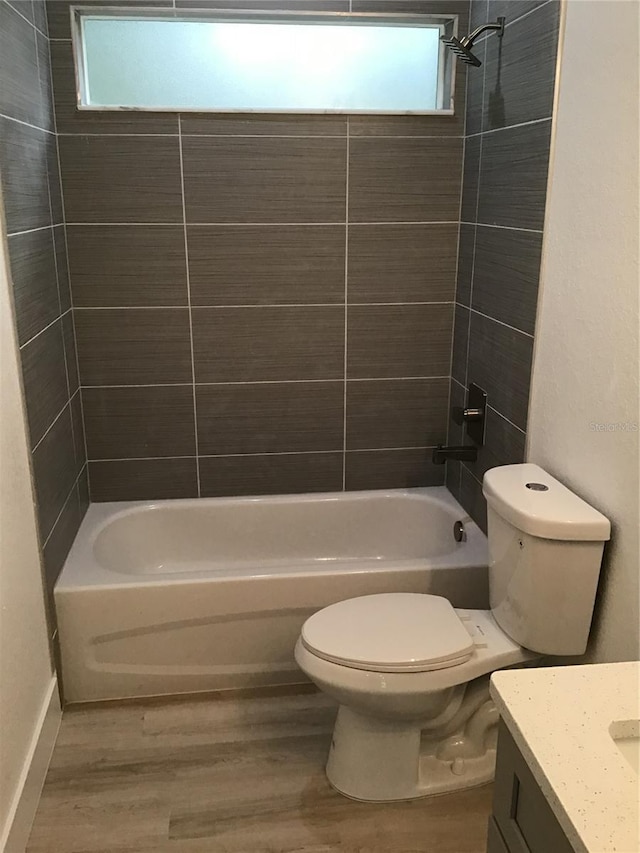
{"x": 538, "y": 504}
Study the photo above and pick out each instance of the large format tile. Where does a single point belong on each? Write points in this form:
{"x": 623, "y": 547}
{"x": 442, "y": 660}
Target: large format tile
{"x": 25, "y": 176}
{"x": 466, "y": 253}
{"x": 410, "y": 180}
{"x": 46, "y": 92}
{"x": 392, "y": 469}
{"x": 506, "y": 273}
{"x": 132, "y": 179}
{"x": 256, "y": 344}
{"x": 402, "y": 263}
{"x": 77, "y": 423}
{"x": 264, "y": 180}
{"x": 59, "y": 19}
{"x": 472, "y": 499}
{"x": 133, "y": 346}
{"x": 504, "y": 445}
{"x": 35, "y": 284}
{"x": 72, "y": 120}
{"x": 62, "y": 266}
{"x": 399, "y": 340}
{"x": 124, "y": 423}
{"x": 476, "y": 89}
{"x": 143, "y": 479}
{"x": 45, "y": 380}
{"x": 59, "y": 544}
{"x": 513, "y": 9}
{"x": 127, "y": 265}
{"x": 54, "y": 472}
{"x": 268, "y": 5}
{"x": 396, "y": 413}
{"x": 520, "y": 70}
{"x": 513, "y": 176}
{"x": 218, "y": 124}
{"x": 266, "y": 264}
{"x": 70, "y": 352}
{"x": 271, "y": 474}
{"x": 269, "y": 418}
{"x": 500, "y": 362}
{"x": 470, "y": 179}
{"x": 20, "y": 92}
{"x": 460, "y": 344}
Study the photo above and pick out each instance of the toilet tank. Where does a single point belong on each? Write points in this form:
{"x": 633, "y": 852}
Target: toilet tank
{"x": 545, "y": 552}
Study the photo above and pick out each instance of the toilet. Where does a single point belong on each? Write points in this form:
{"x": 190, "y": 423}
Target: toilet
{"x": 411, "y": 673}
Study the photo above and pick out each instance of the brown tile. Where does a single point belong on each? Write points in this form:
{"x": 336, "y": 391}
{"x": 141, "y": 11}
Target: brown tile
{"x": 54, "y": 472}
{"x": 133, "y": 346}
{"x": 457, "y": 399}
{"x": 399, "y": 340}
{"x": 45, "y": 380}
{"x": 59, "y": 544}
{"x": 127, "y": 265}
{"x": 268, "y": 5}
{"x": 35, "y": 286}
{"x": 210, "y": 124}
{"x": 69, "y": 337}
{"x": 72, "y": 120}
{"x": 271, "y": 474}
{"x": 25, "y": 7}
{"x": 143, "y": 479}
{"x": 402, "y": 263}
{"x": 500, "y": 362}
{"x": 476, "y": 90}
{"x": 266, "y": 264}
{"x": 59, "y": 19}
{"x": 396, "y": 413}
{"x": 132, "y": 179}
{"x": 460, "y": 344}
{"x": 466, "y": 252}
{"x": 470, "y": 179}
{"x": 392, "y": 469}
{"x": 46, "y": 92}
{"x": 123, "y": 423}
{"x": 520, "y": 70}
{"x": 513, "y": 176}
{"x": 77, "y": 422}
{"x": 83, "y": 491}
{"x": 472, "y": 499}
{"x": 512, "y": 9}
{"x": 40, "y": 16}
{"x": 25, "y": 176}
{"x": 20, "y": 92}
{"x": 410, "y": 180}
{"x": 255, "y": 344}
{"x": 504, "y": 445}
{"x": 270, "y": 418}
{"x": 506, "y": 274}
{"x": 264, "y": 180}
{"x": 62, "y": 266}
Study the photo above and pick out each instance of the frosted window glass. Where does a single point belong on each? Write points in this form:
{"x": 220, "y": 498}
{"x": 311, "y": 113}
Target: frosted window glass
{"x": 262, "y": 66}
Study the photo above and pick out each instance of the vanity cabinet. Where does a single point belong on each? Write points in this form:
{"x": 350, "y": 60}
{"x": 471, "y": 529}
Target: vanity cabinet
{"x": 522, "y": 820}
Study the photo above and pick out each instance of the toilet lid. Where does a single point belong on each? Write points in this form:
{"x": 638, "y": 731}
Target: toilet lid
{"x": 392, "y": 632}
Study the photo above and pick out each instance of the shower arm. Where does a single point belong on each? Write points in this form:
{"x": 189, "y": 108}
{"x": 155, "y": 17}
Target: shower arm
{"x": 469, "y": 40}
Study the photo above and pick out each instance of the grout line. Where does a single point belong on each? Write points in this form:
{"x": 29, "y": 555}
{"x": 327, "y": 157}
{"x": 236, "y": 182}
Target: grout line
{"x": 502, "y": 227}
{"x": 266, "y": 453}
{"x": 67, "y": 405}
{"x": 65, "y": 502}
{"x": 504, "y": 418}
{"x": 186, "y": 252}
{"x": 30, "y": 230}
{"x": 509, "y": 126}
{"x": 271, "y": 382}
{"x": 31, "y": 23}
{"x": 44, "y": 329}
{"x": 256, "y": 305}
{"x": 346, "y": 307}
{"x": 299, "y": 136}
{"x": 291, "y": 224}
{"x": 499, "y": 322}
{"x": 26, "y": 123}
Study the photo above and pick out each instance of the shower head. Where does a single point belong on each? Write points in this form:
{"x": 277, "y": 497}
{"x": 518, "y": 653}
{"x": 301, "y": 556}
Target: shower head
{"x": 461, "y": 51}
{"x": 462, "y": 47}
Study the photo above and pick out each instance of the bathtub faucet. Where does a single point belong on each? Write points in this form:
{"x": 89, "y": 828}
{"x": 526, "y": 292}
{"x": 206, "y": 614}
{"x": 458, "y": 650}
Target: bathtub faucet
{"x": 465, "y": 453}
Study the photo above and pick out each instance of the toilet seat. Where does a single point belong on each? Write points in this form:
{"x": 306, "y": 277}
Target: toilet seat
{"x": 390, "y": 632}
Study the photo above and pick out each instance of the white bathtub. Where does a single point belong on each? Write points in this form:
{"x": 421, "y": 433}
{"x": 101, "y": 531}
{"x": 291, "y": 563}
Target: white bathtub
{"x": 194, "y": 595}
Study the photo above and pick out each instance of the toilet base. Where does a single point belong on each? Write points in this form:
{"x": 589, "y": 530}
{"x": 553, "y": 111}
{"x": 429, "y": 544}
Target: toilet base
{"x": 377, "y": 760}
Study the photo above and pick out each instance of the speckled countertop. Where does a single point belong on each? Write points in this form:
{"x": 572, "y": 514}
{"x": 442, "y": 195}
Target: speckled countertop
{"x": 560, "y": 717}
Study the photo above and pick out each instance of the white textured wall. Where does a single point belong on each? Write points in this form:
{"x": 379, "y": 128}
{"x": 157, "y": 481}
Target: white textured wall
{"x": 586, "y": 358}
{"x": 25, "y": 668}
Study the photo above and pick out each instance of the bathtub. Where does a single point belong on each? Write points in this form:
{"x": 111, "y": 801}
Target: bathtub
{"x": 181, "y": 596}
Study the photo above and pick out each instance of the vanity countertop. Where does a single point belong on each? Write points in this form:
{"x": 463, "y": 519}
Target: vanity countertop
{"x": 560, "y": 718}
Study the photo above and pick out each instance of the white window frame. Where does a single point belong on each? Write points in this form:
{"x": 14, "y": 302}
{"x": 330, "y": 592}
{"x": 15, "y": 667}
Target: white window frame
{"x": 448, "y": 24}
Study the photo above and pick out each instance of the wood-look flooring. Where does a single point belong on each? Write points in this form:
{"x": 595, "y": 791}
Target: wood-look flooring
{"x": 227, "y": 775}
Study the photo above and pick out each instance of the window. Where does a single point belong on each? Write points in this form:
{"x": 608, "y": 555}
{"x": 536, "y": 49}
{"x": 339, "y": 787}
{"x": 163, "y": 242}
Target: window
{"x": 253, "y": 62}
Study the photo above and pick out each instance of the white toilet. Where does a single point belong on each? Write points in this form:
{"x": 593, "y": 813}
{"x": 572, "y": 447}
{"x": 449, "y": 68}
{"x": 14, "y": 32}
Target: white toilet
{"x": 411, "y": 673}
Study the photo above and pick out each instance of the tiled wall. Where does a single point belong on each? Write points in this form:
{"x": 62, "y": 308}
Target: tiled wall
{"x": 261, "y": 305}
{"x": 508, "y": 132}
{"x": 37, "y": 254}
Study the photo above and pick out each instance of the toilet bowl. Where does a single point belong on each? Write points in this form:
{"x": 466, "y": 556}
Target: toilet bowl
{"x": 411, "y": 673}
{"x": 411, "y": 676}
